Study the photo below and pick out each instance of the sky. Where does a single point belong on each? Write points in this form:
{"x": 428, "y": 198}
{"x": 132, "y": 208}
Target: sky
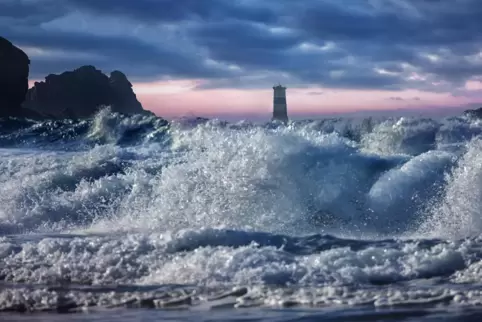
{"x": 220, "y": 58}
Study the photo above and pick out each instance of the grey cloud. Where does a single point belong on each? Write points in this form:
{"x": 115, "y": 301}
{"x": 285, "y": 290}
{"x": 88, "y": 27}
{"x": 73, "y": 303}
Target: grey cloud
{"x": 175, "y": 10}
{"x": 239, "y": 35}
{"x": 367, "y": 36}
{"x": 30, "y": 12}
{"x": 437, "y": 22}
{"x": 118, "y": 52}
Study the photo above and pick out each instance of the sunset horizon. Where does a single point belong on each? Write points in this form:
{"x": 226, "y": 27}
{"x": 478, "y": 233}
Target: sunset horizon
{"x": 177, "y": 99}
{"x": 220, "y": 58}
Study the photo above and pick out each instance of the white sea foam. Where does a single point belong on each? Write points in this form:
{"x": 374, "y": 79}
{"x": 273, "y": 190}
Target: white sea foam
{"x": 220, "y": 205}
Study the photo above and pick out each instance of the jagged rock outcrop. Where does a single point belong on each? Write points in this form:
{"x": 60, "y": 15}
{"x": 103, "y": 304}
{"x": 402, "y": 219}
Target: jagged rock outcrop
{"x": 14, "y": 69}
{"x": 81, "y": 93}
{"x": 123, "y": 97}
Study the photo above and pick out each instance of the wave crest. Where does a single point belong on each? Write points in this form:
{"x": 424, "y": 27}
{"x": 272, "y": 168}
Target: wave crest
{"x": 346, "y": 177}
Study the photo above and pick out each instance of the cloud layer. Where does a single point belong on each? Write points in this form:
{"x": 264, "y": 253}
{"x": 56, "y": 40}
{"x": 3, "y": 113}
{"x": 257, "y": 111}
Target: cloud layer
{"x": 428, "y": 45}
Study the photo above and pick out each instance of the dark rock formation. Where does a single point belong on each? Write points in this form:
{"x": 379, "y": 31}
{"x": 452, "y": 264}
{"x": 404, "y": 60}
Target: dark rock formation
{"x": 14, "y": 69}
{"x": 123, "y": 98}
{"x": 81, "y": 93}
{"x": 474, "y": 113}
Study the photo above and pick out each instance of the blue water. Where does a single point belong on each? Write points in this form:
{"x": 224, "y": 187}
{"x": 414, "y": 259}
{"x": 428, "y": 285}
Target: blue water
{"x": 135, "y": 218}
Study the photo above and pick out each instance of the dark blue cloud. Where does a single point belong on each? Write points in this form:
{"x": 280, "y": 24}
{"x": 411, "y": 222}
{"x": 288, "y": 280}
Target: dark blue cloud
{"x": 425, "y": 23}
{"x": 112, "y": 52}
{"x": 249, "y": 43}
{"x": 177, "y": 10}
{"x": 28, "y": 12}
{"x": 242, "y": 34}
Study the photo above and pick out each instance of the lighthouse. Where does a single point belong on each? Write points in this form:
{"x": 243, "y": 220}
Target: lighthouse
{"x": 280, "y": 111}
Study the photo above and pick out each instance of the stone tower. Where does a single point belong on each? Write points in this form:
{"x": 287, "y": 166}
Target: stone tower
{"x": 280, "y": 111}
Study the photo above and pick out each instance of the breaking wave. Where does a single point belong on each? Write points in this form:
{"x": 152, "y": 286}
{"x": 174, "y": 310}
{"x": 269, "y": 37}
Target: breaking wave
{"x": 211, "y": 205}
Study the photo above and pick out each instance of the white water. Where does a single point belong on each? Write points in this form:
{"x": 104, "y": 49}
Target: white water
{"x": 220, "y": 205}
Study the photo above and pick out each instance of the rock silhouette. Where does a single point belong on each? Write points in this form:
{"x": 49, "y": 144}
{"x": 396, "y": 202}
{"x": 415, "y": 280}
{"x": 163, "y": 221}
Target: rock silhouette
{"x": 123, "y": 98}
{"x": 14, "y": 70}
{"x": 73, "y": 94}
{"x": 81, "y": 93}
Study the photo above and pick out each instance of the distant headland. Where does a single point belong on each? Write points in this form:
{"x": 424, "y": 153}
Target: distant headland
{"x": 73, "y": 94}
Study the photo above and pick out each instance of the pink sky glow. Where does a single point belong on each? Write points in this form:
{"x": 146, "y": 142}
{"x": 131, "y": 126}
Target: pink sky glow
{"x": 177, "y": 98}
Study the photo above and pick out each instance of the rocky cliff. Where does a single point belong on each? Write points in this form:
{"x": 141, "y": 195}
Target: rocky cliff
{"x": 123, "y": 98}
{"x": 14, "y": 69}
{"x": 81, "y": 92}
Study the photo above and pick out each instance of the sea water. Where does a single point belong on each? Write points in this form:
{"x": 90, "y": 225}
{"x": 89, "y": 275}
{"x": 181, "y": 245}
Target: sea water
{"x": 135, "y": 218}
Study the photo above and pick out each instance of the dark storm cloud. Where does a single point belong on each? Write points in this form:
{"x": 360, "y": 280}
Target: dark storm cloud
{"x": 327, "y": 21}
{"x": 29, "y": 12}
{"x": 248, "y": 45}
{"x": 374, "y": 44}
{"x": 116, "y": 51}
{"x": 386, "y": 39}
{"x": 241, "y": 34}
{"x": 175, "y": 10}
{"x": 427, "y": 23}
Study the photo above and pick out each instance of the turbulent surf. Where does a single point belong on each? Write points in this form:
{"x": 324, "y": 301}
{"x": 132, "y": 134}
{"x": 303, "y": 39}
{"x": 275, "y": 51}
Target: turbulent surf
{"x": 138, "y": 212}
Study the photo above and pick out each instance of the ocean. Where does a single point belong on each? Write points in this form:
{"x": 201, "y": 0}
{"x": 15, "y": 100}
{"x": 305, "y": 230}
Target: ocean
{"x": 133, "y": 218}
